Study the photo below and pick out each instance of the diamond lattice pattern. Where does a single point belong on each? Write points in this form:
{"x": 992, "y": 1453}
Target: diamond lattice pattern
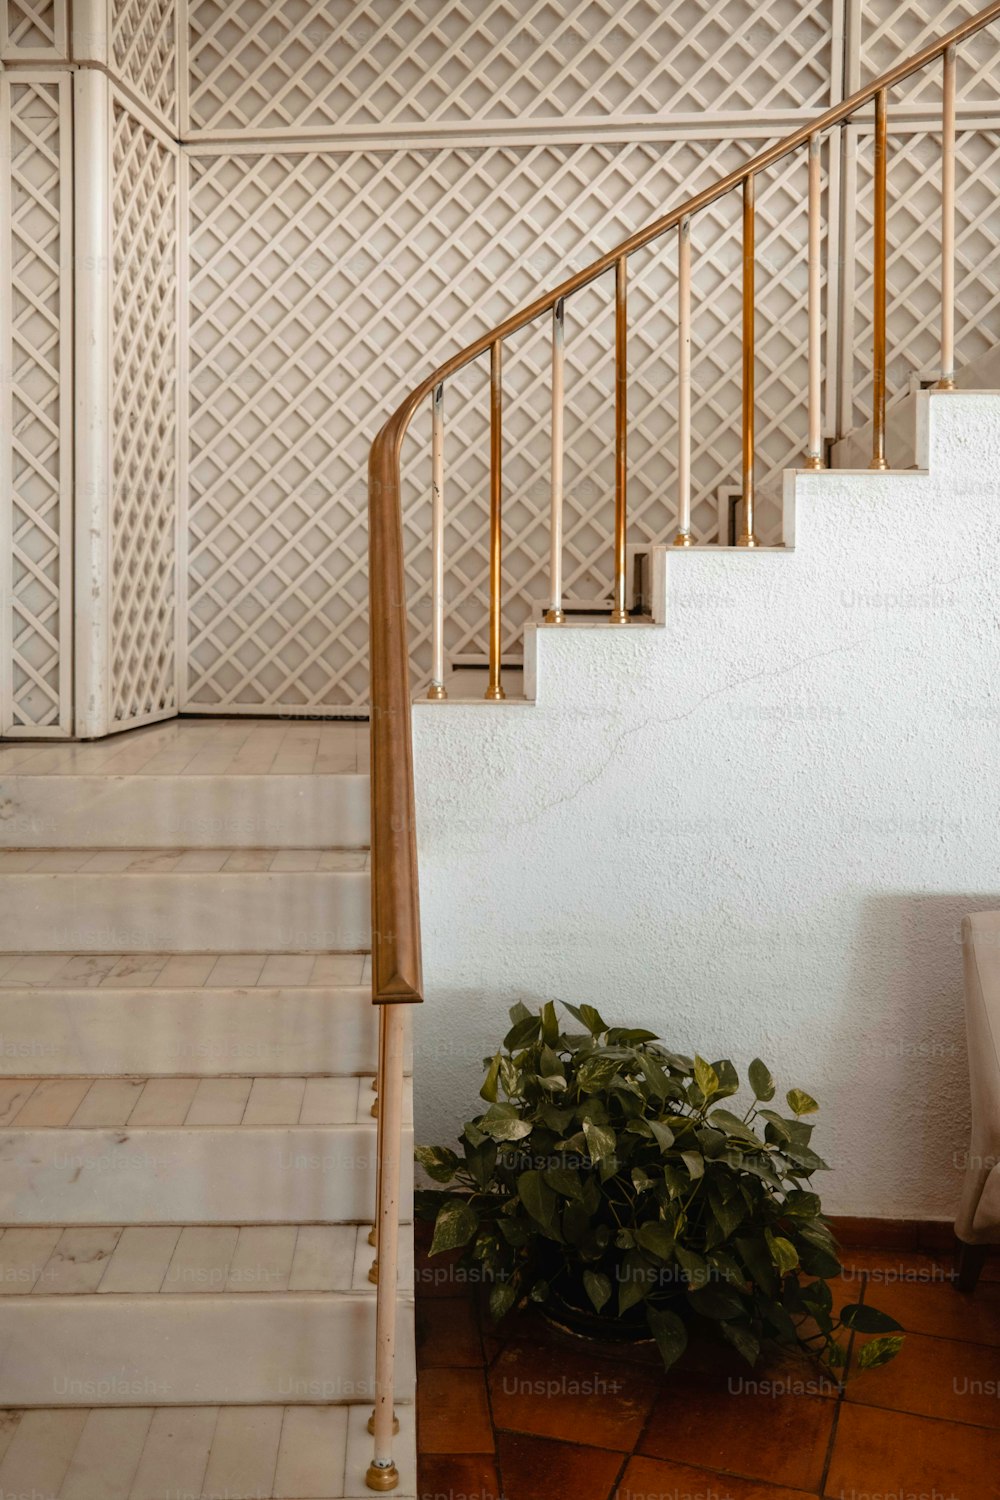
{"x": 144, "y": 44}
{"x": 275, "y": 65}
{"x": 890, "y": 31}
{"x": 913, "y": 275}
{"x": 144, "y": 478}
{"x": 40, "y": 564}
{"x": 323, "y": 285}
{"x": 33, "y": 26}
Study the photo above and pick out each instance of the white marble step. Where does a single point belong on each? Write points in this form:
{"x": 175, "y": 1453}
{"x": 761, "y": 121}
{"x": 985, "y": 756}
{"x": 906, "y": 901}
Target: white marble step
{"x": 251, "y": 1174}
{"x": 195, "y": 1349}
{"x": 55, "y": 1260}
{"x": 196, "y": 1453}
{"x": 67, "y": 1033}
{"x": 145, "y": 910}
{"x": 195, "y": 811}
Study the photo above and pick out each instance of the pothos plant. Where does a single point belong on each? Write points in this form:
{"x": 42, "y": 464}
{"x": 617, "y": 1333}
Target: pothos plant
{"x": 607, "y": 1170}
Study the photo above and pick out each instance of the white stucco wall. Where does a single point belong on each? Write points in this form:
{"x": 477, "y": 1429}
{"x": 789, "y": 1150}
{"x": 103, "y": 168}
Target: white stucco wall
{"x": 756, "y": 829}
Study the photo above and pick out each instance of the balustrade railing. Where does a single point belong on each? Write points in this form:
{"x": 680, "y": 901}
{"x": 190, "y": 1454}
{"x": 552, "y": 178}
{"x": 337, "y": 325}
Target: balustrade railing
{"x": 396, "y": 963}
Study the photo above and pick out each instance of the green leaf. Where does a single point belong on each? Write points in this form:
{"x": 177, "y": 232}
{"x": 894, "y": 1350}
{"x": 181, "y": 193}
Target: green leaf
{"x": 565, "y": 1181}
{"x": 489, "y": 1088}
{"x": 695, "y": 1163}
{"x": 761, "y": 1082}
{"x": 743, "y": 1339}
{"x": 783, "y": 1252}
{"x": 755, "y": 1255}
{"x": 657, "y": 1238}
{"x": 503, "y": 1295}
{"x": 705, "y": 1077}
{"x": 550, "y": 1024}
{"x": 540, "y": 1201}
{"x": 868, "y": 1319}
{"x": 503, "y": 1123}
{"x": 455, "y": 1225}
{"x": 669, "y": 1333}
{"x": 601, "y": 1140}
{"x": 664, "y": 1135}
{"x": 589, "y": 1017}
{"x": 801, "y": 1103}
{"x": 598, "y": 1288}
{"x": 522, "y": 1033}
{"x": 438, "y": 1162}
{"x": 879, "y": 1352}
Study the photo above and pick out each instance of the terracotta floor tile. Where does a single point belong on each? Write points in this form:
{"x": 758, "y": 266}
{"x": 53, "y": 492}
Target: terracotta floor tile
{"x": 448, "y": 1332}
{"x": 444, "y": 1476}
{"x": 536, "y": 1468}
{"x": 782, "y": 1438}
{"x": 582, "y": 1395}
{"x": 927, "y": 1307}
{"x": 934, "y": 1378}
{"x": 650, "y": 1479}
{"x": 894, "y": 1453}
{"x": 453, "y": 1414}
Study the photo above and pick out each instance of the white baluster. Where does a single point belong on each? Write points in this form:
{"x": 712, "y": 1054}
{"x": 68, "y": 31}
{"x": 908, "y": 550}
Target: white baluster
{"x": 947, "y": 381}
{"x": 814, "y": 457}
{"x": 437, "y": 688}
{"x": 555, "y": 613}
{"x": 683, "y": 537}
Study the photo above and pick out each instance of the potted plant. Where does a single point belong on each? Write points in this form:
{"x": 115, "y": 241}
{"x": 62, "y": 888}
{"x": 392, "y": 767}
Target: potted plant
{"x": 608, "y": 1181}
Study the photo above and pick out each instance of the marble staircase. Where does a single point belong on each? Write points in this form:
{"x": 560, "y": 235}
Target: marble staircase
{"x": 187, "y": 1147}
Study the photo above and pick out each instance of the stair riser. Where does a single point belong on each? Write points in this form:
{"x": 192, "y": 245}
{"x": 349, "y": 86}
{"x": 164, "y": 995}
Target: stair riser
{"x": 194, "y": 1350}
{"x": 143, "y": 1033}
{"x": 287, "y": 912}
{"x": 189, "y": 812}
{"x": 208, "y": 1175}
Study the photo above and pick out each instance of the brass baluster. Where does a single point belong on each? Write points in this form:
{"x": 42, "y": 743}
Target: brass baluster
{"x": 619, "y": 613}
{"x": 495, "y": 690}
{"x": 878, "y": 282}
{"x": 748, "y": 536}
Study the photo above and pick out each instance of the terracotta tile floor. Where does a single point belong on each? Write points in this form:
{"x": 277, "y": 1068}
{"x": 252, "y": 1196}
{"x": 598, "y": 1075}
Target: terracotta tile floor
{"x": 524, "y": 1412}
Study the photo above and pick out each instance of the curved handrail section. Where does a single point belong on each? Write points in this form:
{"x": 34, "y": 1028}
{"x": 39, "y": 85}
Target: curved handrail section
{"x": 396, "y": 950}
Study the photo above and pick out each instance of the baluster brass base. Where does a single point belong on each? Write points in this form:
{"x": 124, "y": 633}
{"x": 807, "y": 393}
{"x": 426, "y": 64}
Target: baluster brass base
{"x": 373, "y": 1272}
{"x": 814, "y": 462}
{"x": 881, "y": 464}
{"x": 555, "y": 617}
{"x": 494, "y": 694}
{"x": 747, "y": 540}
{"x": 436, "y": 692}
{"x": 382, "y": 1477}
{"x": 946, "y": 383}
{"x": 620, "y": 617}
{"x": 395, "y": 1425}
{"x": 683, "y": 539}
{"x": 374, "y": 1109}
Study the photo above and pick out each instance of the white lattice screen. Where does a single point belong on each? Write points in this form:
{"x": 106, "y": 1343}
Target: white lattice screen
{"x": 143, "y": 513}
{"x": 37, "y": 388}
{"x": 371, "y": 184}
{"x": 335, "y": 65}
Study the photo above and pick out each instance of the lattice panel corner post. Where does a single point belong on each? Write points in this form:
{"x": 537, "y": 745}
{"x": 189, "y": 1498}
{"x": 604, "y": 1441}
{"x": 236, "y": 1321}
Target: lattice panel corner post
{"x": 91, "y": 26}
{"x": 126, "y": 413}
{"x": 36, "y": 252}
{"x": 92, "y": 138}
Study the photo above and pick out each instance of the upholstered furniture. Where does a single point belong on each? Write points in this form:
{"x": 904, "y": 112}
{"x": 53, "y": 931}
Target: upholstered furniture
{"x": 978, "y": 1222}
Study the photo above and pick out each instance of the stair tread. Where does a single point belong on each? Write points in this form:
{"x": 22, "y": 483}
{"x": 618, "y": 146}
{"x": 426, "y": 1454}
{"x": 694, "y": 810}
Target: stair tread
{"x": 174, "y": 1102}
{"x": 161, "y": 971}
{"x": 146, "y": 861}
{"x": 192, "y": 1260}
{"x": 90, "y": 1452}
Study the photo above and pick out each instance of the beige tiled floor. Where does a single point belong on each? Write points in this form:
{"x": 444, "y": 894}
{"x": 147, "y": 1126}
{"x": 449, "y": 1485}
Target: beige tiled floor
{"x": 177, "y": 861}
{"x": 204, "y": 747}
{"x": 196, "y": 1259}
{"x": 156, "y": 971}
{"x": 150, "y": 1103}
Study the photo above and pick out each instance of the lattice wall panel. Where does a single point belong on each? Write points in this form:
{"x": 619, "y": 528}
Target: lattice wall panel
{"x": 144, "y": 51}
{"x": 889, "y": 31}
{"x": 144, "y": 422}
{"x": 281, "y": 65}
{"x": 914, "y": 299}
{"x": 32, "y": 29}
{"x": 322, "y": 286}
{"x": 36, "y": 352}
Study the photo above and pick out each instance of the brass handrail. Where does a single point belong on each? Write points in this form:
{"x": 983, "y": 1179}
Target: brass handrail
{"x": 396, "y": 957}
